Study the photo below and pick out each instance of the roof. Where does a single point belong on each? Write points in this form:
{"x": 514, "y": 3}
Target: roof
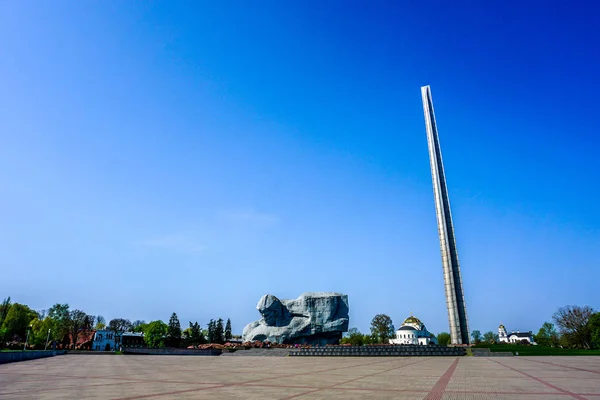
{"x": 412, "y": 320}
{"x": 406, "y": 328}
{"x": 520, "y": 334}
{"x": 139, "y": 334}
{"x": 501, "y": 327}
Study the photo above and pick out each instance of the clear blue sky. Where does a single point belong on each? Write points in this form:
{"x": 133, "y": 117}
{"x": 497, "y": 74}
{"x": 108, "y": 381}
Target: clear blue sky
{"x": 191, "y": 157}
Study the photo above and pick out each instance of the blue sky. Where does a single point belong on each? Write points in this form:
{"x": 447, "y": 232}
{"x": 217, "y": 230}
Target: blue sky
{"x": 191, "y": 157}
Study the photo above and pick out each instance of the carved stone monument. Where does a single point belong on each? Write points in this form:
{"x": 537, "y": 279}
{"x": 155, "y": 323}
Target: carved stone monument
{"x": 313, "y": 318}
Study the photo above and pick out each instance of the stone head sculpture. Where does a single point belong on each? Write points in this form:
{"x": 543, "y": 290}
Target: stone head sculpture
{"x": 272, "y": 310}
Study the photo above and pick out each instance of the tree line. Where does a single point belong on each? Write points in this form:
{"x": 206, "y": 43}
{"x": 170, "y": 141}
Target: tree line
{"x": 159, "y": 334}
{"x": 382, "y": 330}
{"x": 63, "y": 325}
{"x": 573, "y": 327}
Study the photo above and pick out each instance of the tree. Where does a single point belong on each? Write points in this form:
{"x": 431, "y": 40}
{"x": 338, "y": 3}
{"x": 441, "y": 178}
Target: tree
{"x": 594, "y": 324}
{"x": 186, "y": 335}
{"x": 219, "y": 332}
{"x": 174, "y": 332}
{"x": 78, "y": 320}
{"x": 17, "y": 320}
{"x": 119, "y": 325}
{"x": 382, "y": 328}
{"x": 139, "y": 326}
{"x": 443, "y": 338}
{"x": 195, "y": 336}
{"x": 155, "y": 334}
{"x": 135, "y": 324}
{"x": 490, "y": 337}
{"x": 100, "y": 322}
{"x": 228, "y": 330}
{"x": 476, "y": 335}
{"x": 4, "y": 307}
{"x": 211, "y": 332}
{"x": 59, "y": 313}
{"x": 354, "y": 337}
{"x": 573, "y": 324}
{"x": 547, "y": 335}
{"x": 43, "y": 329}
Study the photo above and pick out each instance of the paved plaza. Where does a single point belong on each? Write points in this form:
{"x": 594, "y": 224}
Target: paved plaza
{"x": 189, "y": 377}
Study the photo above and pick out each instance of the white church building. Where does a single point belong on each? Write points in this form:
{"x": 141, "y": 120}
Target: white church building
{"x": 514, "y": 337}
{"x": 413, "y": 331}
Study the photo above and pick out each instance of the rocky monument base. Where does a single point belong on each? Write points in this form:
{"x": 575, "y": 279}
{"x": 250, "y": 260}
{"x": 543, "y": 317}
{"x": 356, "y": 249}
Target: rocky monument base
{"x": 313, "y": 318}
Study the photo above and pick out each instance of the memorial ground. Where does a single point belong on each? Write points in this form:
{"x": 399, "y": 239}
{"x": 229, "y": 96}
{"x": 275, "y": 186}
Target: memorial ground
{"x": 188, "y": 377}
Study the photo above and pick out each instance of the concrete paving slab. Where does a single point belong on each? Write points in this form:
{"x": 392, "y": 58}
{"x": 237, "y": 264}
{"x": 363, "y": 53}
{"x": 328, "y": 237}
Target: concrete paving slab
{"x": 263, "y": 378}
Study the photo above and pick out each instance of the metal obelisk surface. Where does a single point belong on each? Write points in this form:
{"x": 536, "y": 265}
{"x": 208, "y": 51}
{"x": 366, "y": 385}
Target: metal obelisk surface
{"x": 455, "y": 301}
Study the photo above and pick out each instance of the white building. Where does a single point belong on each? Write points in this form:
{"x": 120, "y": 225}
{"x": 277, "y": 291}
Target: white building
{"x": 105, "y": 340}
{"x": 413, "y": 331}
{"x": 513, "y": 337}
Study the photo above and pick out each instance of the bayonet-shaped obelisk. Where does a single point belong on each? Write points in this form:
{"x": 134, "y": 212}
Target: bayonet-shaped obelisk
{"x": 455, "y": 301}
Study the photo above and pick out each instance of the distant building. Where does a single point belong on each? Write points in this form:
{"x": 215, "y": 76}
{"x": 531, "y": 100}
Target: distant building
{"x": 85, "y": 339}
{"x": 413, "y": 331}
{"x": 514, "y": 337}
{"x": 132, "y": 339}
{"x": 105, "y": 340}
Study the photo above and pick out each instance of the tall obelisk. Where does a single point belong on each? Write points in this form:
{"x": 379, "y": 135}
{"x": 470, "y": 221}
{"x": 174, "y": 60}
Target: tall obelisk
{"x": 455, "y": 301}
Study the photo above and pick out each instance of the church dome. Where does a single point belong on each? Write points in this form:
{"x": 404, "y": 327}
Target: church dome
{"x": 501, "y": 327}
{"x": 412, "y": 320}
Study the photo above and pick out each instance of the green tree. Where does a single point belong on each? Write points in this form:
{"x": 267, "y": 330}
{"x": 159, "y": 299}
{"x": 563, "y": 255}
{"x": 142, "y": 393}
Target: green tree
{"x": 476, "y": 335}
{"x": 382, "y": 328}
{"x": 547, "y": 335}
{"x": 155, "y": 334}
{"x": 174, "y": 332}
{"x": 43, "y": 329}
{"x": 228, "y": 330}
{"x": 193, "y": 335}
{"x": 119, "y": 325}
{"x": 4, "y": 307}
{"x": 196, "y": 336}
{"x": 18, "y": 319}
{"x": 219, "y": 332}
{"x": 443, "y": 338}
{"x": 59, "y": 313}
{"x": 211, "y": 332}
{"x": 139, "y": 326}
{"x": 354, "y": 337}
{"x": 573, "y": 324}
{"x": 100, "y": 322}
{"x": 490, "y": 337}
{"x": 594, "y": 323}
{"x": 186, "y": 337}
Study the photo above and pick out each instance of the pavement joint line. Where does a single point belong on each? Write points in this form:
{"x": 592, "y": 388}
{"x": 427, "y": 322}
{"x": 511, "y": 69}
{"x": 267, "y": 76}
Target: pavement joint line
{"x": 560, "y": 365}
{"x": 117, "y": 378}
{"x": 574, "y": 395}
{"x": 373, "y": 389}
{"x": 352, "y": 380}
{"x": 437, "y": 391}
{"x": 63, "y": 387}
{"x": 252, "y": 381}
{"x": 146, "y": 396}
{"x": 334, "y": 388}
